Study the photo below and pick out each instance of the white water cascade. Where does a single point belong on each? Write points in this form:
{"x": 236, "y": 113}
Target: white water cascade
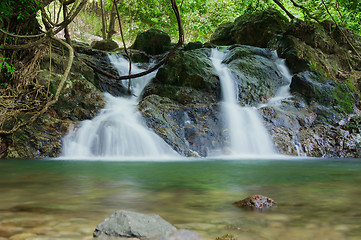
{"x": 118, "y": 132}
{"x": 247, "y": 133}
{"x": 284, "y": 91}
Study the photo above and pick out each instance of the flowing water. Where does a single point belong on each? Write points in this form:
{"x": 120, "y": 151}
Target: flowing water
{"x": 284, "y": 91}
{"x": 118, "y": 131}
{"x": 54, "y": 200}
{"x": 246, "y": 130}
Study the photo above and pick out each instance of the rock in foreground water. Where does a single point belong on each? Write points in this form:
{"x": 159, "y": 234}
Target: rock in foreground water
{"x": 256, "y": 202}
{"x": 126, "y": 224}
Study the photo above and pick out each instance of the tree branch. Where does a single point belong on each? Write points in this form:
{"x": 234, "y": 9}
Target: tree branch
{"x": 305, "y": 10}
{"x": 284, "y": 9}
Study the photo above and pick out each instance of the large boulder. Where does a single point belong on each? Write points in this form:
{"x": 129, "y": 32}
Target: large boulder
{"x": 188, "y": 77}
{"x": 126, "y": 224}
{"x": 255, "y": 29}
{"x": 258, "y": 77}
{"x": 105, "y": 45}
{"x": 152, "y": 42}
{"x": 338, "y": 97}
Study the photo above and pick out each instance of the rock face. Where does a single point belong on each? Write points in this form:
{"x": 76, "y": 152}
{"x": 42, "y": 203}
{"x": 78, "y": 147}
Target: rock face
{"x": 257, "y": 202}
{"x": 152, "y": 42}
{"x": 128, "y": 224}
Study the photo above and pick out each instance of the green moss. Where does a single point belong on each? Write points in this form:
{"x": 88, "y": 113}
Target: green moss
{"x": 354, "y": 125}
{"x": 344, "y": 100}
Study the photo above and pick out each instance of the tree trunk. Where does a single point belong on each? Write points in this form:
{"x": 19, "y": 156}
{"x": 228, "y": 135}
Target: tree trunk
{"x": 113, "y": 14}
{"x": 103, "y": 19}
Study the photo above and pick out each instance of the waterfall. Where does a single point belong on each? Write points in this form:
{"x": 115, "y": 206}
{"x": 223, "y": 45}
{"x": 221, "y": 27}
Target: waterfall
{"x": 247, "y": 133}
{"x": 118, "y": 132}
{"x": 284, "y": 91}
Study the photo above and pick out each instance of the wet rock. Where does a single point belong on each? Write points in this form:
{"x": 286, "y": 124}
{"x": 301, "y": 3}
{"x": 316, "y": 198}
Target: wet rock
{"x": 258, "y": 77}
{"x": 258, "y": 202}
{"x": 104, "y": 45}
{"x": 251, "y": 29}
{"x": 187, "y": 69}
{"x": 190, "y": 129}
{"x": 128, "y": 224}
{"x": 327, "y": 93}
{"x": 226, "y": 237}
{"x": 152, "y": 42}
{"x": 328, "y": 141}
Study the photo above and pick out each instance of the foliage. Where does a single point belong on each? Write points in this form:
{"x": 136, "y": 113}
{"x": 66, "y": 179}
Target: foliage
{"x": 19, "y": 8}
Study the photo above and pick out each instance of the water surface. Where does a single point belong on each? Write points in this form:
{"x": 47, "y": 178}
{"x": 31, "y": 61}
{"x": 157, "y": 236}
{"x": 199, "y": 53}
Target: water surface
{"x": 51, "y": 199}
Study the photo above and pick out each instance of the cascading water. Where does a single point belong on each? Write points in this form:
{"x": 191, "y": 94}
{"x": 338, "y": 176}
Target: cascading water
{"x": 118, "y": 131}
{"x": 247, "y": 134}
{"x": 284, "y": 91}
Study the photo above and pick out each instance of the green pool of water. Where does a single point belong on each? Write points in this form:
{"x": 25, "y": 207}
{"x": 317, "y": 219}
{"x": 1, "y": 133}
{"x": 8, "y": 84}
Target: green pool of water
{"x": 51, "y": 199}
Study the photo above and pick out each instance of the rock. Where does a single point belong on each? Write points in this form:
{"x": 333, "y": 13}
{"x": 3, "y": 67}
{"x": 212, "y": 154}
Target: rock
{"x": 181, "y": 235}
{"x": 152, "y": 42}
{"x": 258, "y": 202}
{"x": 258, "y": 77}
{"x": 222, "y": 35}
{"x": 193, "y": 46}
{"x": 187, "y": 69}
{"x": 190, "y": 129}
{"x": 328, "y": 141}
{"x": 79, "y": 99}
{"x": 128, "y": 224}
{"x": 104, "y": 45}
{"x": 226, "y": 237}
{"x": 331, "y": 94}
{"x": 251, "y": 29}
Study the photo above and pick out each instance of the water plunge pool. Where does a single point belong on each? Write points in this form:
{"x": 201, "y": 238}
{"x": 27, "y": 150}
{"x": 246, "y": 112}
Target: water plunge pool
{"x": 317, "y": 198}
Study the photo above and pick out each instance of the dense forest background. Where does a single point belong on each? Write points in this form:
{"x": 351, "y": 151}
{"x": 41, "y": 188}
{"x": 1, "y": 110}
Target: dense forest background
{"x": 200, "y": 17}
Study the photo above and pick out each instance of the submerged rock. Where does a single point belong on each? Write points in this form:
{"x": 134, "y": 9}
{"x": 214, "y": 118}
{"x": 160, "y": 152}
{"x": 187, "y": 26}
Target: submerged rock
{"x": 131, "y": 224}
{"x": 258, "y": 202}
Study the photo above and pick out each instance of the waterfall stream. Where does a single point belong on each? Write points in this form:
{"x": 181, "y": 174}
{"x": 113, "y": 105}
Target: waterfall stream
{"x": 118, "y": 131}
{"x": 247, "y": 133}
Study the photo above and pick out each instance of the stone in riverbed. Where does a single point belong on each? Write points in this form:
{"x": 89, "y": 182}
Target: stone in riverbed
{"x": 126, "y": 224}
{"x": 256, "y": 202}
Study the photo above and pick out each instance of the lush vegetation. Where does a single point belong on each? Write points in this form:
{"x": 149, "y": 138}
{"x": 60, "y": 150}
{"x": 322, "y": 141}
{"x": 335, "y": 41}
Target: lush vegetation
{"x": 201, "y": 17}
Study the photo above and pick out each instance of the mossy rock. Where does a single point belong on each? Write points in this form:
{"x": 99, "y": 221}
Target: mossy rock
{"x": 152, "y": 42}
{"x": 255, "y": 29}
{"x": 258, "y": 77}
{"x": 104, "y": 45}
{"x": 193, "y": 46}
{"x": 187, "y": 69}
{"x": 79, "y": 98}
{"x": 222, "y": 35}
{"x": 327, "y": 93}
{"x": 353, "y": 125}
